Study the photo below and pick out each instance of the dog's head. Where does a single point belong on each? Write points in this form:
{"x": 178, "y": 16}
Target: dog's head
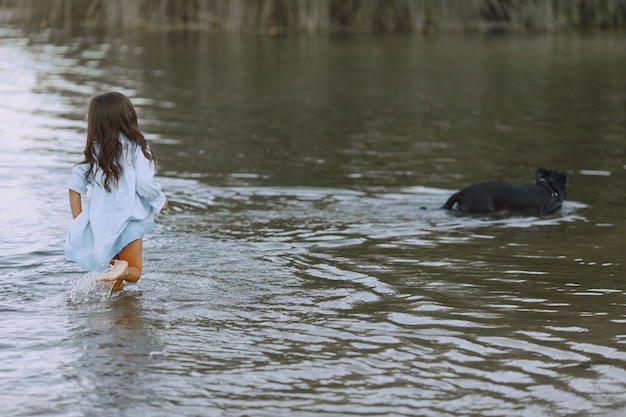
{"x": 554, "y": 180}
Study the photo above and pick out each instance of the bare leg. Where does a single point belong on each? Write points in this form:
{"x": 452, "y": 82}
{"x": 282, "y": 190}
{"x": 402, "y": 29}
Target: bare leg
{"x": 129, "y": 261}
{"x": 132, "y": 253}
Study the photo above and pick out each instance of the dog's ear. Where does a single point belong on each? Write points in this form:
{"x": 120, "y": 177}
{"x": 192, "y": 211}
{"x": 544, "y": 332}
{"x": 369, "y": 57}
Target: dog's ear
{"x": 540, "y": 173}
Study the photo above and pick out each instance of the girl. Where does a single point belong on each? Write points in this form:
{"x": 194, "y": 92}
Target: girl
{"x": 118, "y": 169}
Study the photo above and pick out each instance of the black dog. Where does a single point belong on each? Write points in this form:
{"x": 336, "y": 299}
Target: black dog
{"x": 544, "y": 197}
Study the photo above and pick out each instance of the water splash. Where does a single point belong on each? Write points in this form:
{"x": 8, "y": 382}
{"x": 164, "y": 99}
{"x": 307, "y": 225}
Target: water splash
{"x": 88, "y": 289}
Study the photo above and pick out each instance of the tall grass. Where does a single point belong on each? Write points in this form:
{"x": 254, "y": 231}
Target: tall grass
{"x": 278, "y": 16}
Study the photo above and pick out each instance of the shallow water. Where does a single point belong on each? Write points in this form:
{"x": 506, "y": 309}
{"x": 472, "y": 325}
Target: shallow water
{"x": 295, "y": 273}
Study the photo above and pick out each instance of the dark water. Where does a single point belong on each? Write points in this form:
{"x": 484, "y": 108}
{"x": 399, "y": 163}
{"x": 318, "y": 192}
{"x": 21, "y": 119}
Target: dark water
{"x": 294, "y": 274}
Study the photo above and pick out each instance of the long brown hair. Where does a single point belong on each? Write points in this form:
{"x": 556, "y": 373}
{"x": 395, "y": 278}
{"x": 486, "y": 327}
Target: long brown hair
{"x": 111, "y": 114}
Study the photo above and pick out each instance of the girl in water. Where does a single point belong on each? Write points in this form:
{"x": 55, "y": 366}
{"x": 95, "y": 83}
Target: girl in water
{"x": 118, "y": 169}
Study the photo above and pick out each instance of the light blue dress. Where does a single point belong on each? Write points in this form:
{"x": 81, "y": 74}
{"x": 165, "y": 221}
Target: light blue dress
{"x": 111, "y": 220}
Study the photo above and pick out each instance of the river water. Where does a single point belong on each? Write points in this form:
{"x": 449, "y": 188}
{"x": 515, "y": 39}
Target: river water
{"x": 295, "y": 273}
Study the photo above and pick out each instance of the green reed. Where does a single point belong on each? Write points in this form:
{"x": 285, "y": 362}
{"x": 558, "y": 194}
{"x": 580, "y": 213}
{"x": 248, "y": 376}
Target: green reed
{"x": 286, "y": 16}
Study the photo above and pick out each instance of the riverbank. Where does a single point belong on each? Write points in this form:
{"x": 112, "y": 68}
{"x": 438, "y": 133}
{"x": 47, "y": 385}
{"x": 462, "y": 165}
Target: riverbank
{"x": 333, "y": 16}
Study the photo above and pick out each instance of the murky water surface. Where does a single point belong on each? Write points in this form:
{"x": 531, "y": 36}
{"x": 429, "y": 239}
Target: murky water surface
{"x": 295, "y": 273}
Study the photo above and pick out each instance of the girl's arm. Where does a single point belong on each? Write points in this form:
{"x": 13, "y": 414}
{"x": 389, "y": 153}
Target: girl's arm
{"x": 75, "y": 204}
{"x": 77, "y": 185}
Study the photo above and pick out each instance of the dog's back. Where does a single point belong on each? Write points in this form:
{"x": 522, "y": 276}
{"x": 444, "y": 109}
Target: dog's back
{"x": 488, "y": 197}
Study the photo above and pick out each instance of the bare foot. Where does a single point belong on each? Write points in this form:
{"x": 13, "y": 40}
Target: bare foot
{"x": 119, "y": 271}
{"x": 117, "y": 286}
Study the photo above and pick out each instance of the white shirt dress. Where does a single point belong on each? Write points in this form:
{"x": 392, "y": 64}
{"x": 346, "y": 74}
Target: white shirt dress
{"x": 111, "y": 220}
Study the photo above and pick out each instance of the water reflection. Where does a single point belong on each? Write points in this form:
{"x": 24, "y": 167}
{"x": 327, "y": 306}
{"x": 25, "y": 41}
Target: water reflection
{"x": 117, "y": 349}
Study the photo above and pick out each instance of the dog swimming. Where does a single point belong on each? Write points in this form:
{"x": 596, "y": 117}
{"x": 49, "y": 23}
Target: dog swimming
{"x": 544, "y": 197}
